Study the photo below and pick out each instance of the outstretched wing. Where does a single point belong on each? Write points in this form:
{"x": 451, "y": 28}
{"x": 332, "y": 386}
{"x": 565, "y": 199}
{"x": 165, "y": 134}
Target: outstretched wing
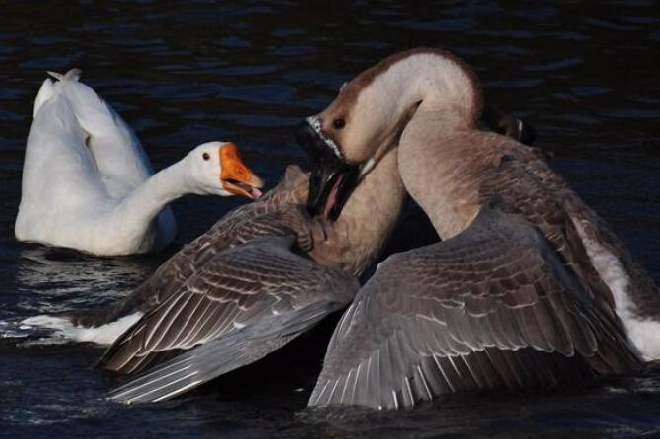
{"x": 241, "y": 305}
{"x": 492, "y": 308}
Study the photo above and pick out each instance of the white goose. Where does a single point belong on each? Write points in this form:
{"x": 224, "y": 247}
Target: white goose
{"x": 88, "y": 184}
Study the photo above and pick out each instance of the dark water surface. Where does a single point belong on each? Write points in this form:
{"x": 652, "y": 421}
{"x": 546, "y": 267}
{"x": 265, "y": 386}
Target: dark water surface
{"x": 183, "y": 73}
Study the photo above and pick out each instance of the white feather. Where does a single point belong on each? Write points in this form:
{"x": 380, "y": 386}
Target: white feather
{"x": 643, "y": 333}
{"x": 88, "y": 184}
{"x": 102, "y": 335}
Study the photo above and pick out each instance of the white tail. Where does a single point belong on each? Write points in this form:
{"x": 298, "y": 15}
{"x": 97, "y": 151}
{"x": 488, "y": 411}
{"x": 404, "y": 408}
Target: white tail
{"x": 48, "y": 87}
{"x": 71, "y": 75}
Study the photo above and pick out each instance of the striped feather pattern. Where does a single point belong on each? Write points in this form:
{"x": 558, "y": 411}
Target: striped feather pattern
{"x": 493, "y": 308}
{"x": 232, "y": 292}
{"x": 277, "y": 213}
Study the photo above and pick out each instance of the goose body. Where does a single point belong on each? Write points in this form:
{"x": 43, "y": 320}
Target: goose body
{"x": 260, "y": 277}
{"x": 88, "y": 184}
{"x": 534, "y": 293}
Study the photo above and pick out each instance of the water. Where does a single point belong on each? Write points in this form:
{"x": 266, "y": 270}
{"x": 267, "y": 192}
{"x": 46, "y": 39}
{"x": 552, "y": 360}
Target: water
{"x": 183, "y": 73}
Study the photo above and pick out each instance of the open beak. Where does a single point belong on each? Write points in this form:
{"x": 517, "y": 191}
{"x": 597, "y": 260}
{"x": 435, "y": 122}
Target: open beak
{"x": 332, "y": 180}
{"x": 235, "y": 176}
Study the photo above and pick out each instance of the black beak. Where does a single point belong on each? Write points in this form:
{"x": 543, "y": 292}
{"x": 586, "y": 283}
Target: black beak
{"x": 526, "y": 133}
{"x": 332, "y": 180}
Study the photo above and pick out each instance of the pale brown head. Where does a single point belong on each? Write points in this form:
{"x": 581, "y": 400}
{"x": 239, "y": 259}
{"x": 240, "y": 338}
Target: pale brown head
{"x": 370, "y": 112}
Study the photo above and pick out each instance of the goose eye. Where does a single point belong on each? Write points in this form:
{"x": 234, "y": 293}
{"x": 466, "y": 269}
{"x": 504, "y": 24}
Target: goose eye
{"x": 206, "y": 156}
{"x": 339, "y": 123}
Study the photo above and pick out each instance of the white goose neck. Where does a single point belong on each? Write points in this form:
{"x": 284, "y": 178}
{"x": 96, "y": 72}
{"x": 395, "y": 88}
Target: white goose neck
{"x": 139, "y": 208}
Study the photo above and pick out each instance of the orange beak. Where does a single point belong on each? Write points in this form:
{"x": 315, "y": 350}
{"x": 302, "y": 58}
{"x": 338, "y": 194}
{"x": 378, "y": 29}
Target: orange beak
{"x": 235, "y": 176}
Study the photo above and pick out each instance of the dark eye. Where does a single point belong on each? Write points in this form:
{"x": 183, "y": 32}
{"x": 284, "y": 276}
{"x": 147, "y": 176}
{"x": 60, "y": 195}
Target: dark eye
{"x": 339, "y": 123}
{"x": 206, "y": 156}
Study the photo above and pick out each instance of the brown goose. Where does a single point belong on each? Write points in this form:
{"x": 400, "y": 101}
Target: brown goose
{"x": 229, "y": 298}
{"x": 529, "y": 291}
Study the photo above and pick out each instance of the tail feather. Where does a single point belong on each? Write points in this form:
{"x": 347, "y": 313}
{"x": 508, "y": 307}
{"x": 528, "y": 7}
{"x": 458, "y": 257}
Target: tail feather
{"x": 71, "y": 75}
{"x": 47, "y": 89}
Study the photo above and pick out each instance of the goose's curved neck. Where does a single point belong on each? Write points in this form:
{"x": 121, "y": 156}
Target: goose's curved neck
{"x": 356, "y": 239}
{"x": 441, "y": 164}
{"x": 429, "y": 78}
{"x": 442, "y": 99}
{"x": 139, "y": 208}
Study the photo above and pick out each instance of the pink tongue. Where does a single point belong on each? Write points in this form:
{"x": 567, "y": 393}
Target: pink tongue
{"x": 332, "y": 197}
{"x": 256, "y": 193}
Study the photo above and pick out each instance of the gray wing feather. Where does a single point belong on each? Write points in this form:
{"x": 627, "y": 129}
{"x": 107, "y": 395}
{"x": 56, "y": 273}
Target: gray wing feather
{"x": 240, "y": 306}
{"x": 243, "y": 224}
{"x": 491, "y": 308}
{"x": 219, "y": 356}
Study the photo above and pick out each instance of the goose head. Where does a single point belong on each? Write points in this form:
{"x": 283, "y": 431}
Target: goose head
{"x": 216, "y": 168}
{"x": 347, "y": 139}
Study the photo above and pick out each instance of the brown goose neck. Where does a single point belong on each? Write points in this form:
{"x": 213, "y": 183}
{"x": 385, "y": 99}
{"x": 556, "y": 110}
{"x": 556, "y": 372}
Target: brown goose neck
{"x": 440, "y": 163}
{"x": 356, "y": 239}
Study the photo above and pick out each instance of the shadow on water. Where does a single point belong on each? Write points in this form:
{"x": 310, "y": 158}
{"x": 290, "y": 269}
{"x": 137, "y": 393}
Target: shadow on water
{"x": 183, "y": 73}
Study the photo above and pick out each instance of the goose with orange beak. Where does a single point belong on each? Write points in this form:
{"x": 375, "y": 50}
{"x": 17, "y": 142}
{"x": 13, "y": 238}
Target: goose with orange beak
{"x": 88, "y": 184}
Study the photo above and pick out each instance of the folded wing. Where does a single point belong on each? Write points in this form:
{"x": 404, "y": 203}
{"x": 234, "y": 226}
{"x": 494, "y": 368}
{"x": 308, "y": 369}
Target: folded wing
{"x": 247, "y": 222}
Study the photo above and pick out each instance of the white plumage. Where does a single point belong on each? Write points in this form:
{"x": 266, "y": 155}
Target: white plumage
{"x": 88, "y": 184}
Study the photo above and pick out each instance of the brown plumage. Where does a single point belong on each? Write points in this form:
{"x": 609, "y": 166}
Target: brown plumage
{"x": 261, "y": 276}
{"x": 533, "y": 293}
{"x": 492, "y": 308}
{"x": 236, "y": 293}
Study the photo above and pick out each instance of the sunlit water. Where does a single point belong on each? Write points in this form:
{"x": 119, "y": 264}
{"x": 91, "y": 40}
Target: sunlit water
{"x": 182, "y": 73}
